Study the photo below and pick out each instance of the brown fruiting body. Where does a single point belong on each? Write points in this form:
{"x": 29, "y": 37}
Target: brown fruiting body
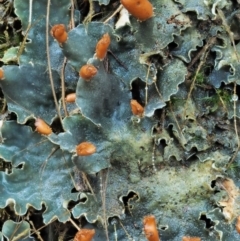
{"x": 58, "y": 31}
{"x": 88, "y": 71}
{"x": 70, "y": 98}
{"x": 238, "y": 224}
{"x": 1, "y": 73}
{"x": 140, "y": 9}
{"x": 137, "y": 109}
{"x": 85, "y": 149}
{"x": 42, "y": 127}
{"x": 84, "y": 235}
{"x": 102, "y": 46}
{"x": 150, "y": 228}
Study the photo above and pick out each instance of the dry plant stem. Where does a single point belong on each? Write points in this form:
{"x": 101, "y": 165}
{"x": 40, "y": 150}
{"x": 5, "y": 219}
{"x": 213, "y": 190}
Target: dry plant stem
{"x": 68, "y": 168}
{"x": 49, "y": 63}
{"x": 230, "y": 33}
{"x": 35, "y": 231}
{"x": 7, "y": 39}
{"x": 155, "y": 84}
{"x": 45, "y": 162}
{"x": 15, "y": 230}
{"x": 88, "y": 18}
{"x": 129, "y": 237}
{"x": 115, "y": 12}
{"x": 63, "y": 86}
{"x": 209, "y": 43}
{"x": 84, "y": 176}
{"x": 44, "y": 226}
{"x": 175, "y": 119}
{"x": 62, "y": 234}
{"x": 161, "y": 98}
{"x": 222, "y": 101}
{"x": 75, "y": 4}
{"x": 235, "y": 128}
{"x": 153, "y": 157}
{"x": 203, "y": 59}
{"x": 9, "y": 7}
{"x": 72, "y": 14}
{"x": 118, "y": 60}
{"x": 74, "y": 224}
{"x": 115, "y": 232}
{"x": 103, "y": 196}
{"x": 4, "y": 106}
{"x": 27, "y": 30}
{"x": 72, "y": 25}
{"x": 19, "y": 236}
{"x": 146, "y": 87}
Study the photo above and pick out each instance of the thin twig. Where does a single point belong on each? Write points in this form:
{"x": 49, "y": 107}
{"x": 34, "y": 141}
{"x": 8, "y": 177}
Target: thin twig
{"x": 103, "y": 195}
{"x": 222, "y": 101}
{"x": 72, "y": 14}
{"x": 35, "y": 231}
{"x": 115, "y": 232}
{"x": 230, "y": 33}
{"x": 178, "y": 126}
{"x": 115, "y": 12}
{"x": 45, "y": 162}
{"x": 20, "y": 50}
{"x": 126, "y": 232}
{"x": 63, "y": 86}
{"x": 72, "y": 25}
{"x": 203, "y": 59}
{"x": 74, "y": 224}
{"x": 84, "y": 176}
{"x": 146, "y": 87}
{"x": 118, "y": 60}
{"x": 209, "y": 43}
{"x": 44, "y": 226}
{"x": 49, "y": 63}
{"x": 88, "y": 18}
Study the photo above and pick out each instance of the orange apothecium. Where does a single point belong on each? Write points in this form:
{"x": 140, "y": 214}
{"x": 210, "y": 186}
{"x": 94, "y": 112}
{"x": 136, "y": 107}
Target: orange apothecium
{"x": 137, "y": 109}
{"x": 84, "y": 235}
{"x": 150, "y": 228}
{"x": 102, "y": 46}
{"x": 88, "y": 71}
{"x": 1, "y": 73}
{"x": 58, "y": 31}
{"x": 70, "y": 98}
{"x": 140, "y": 9}
{"x": 42, "y": 127}
{"x": 85, "y": 149}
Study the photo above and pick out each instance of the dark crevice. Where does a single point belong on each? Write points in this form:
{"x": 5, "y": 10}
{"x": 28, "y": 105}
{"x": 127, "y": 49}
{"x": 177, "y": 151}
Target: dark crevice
{"x": 163, "y": 228}
{"x": 17, "y": 24}
{"x": 19, "y": 166}
{"x": 5, "y": 166}
{"x": 213, "y": 183}
{"x": 172, "y": 46}
{"x": 74, "y": 190}
{"x": 56, "y": 126}
{"x": 209, "y": 223}
{"x": 138, "y": 88}
{"x": 72, "y": 204}
{"x": 113, "y": 220}
{"x": 191, "y": 155}
{"x": 125, "y": 200}
{"x": 163, "y": 143}
{"x": 11, "y": 116}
